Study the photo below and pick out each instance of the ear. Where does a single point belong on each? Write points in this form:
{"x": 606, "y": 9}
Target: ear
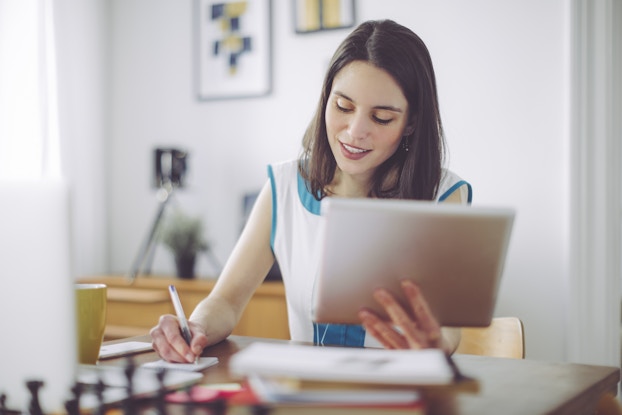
{"x": 409, "y": 129}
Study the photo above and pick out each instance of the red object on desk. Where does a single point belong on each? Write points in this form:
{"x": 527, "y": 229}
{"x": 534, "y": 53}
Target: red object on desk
{"x": 204, "y": 393}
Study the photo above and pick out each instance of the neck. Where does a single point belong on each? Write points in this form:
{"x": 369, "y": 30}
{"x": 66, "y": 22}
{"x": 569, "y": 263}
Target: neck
{"x": 346, "y": 185}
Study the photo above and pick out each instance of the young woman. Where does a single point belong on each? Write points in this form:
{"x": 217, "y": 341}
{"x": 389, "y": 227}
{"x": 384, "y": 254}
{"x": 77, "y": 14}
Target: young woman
{"x": 376, "y": 133}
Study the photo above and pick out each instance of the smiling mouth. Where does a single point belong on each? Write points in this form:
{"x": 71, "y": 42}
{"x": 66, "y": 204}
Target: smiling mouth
{"x": 354, "y": 150}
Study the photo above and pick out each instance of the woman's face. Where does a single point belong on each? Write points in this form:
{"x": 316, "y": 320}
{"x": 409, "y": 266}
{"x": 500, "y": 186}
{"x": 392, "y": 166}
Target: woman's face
{"x": 365, "y": 118}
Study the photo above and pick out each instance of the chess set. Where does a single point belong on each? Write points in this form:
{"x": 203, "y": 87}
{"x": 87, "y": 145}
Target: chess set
{"x": 128, "y": 390}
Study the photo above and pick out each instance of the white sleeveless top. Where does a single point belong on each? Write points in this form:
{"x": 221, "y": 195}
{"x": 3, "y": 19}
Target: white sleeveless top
{"x": 296, "y": 245}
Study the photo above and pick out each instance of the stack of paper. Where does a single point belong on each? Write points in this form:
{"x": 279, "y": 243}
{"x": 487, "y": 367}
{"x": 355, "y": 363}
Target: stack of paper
{"x": 242, "y": 404}
{"x": 272, "y": 390}
{"x": 341, "y": 364}
{"x": 287, "y": 376}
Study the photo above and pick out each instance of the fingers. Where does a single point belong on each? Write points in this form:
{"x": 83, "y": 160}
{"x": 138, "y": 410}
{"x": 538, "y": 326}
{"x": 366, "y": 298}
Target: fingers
{"x": 414, "y": 327}
{"x": 410, "y": 330}
{"x": 422, "y": 313}
{"x": 382, "y": 331}
{"x": 168, "y": 342}
{"x": 199, "y": 339}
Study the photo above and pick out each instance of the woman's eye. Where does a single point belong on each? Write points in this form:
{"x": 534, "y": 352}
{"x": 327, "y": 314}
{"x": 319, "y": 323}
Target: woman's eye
{"x": 342, "y": 106}
{"x": 382, "y": 121}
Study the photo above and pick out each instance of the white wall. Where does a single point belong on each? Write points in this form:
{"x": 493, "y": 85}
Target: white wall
{"x": 502, "y": 71}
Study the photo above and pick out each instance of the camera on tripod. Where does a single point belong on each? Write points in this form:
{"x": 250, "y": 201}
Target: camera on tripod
{"x": 169, "y": 167}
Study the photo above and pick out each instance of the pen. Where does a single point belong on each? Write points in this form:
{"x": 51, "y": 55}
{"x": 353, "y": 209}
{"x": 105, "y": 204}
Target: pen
{"x": 185, "y": 329}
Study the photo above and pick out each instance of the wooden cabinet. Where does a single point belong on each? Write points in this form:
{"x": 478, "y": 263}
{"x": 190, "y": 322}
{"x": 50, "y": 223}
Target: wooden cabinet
{"x": 133, "y": 309}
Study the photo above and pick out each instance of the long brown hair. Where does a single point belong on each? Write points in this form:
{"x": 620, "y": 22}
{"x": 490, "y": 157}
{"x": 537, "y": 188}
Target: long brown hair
{"x": 412, "y": 174}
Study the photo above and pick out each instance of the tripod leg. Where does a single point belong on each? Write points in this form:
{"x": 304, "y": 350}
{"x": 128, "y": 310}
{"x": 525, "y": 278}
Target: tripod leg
{"x": 147, "y": 244}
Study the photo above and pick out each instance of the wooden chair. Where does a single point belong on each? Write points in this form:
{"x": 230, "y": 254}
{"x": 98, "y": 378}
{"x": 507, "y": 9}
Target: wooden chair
{"x": 608, "y": 404}
{"x": 503, "y": 338}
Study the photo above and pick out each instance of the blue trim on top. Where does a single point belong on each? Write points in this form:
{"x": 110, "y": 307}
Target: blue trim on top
{"x": 274, "y": 206}
{"x": 454, "y": 188}
{"x": 306, "y": 198}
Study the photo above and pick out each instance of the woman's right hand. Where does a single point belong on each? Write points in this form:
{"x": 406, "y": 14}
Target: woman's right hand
{"x": 169, "y": 343}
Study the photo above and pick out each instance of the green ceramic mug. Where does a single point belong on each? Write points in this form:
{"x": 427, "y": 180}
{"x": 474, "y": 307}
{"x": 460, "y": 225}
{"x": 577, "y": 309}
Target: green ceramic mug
{"x": 90, "y": 320}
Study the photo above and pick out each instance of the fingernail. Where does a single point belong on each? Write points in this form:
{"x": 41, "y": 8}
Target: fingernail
{"x": 190, "y": 357}
{"x": 380, "y": 294}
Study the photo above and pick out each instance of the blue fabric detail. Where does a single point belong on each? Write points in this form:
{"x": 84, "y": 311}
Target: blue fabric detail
{"x": 338, "y": 335}
{"x": 454, "y": 188}
{"x": 306, "y": 198}
{"x": 274, "y": 207}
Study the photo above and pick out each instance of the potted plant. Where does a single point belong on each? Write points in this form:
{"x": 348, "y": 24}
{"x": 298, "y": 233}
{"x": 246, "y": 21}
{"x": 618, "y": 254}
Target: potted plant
{"x": 183, "y": 236}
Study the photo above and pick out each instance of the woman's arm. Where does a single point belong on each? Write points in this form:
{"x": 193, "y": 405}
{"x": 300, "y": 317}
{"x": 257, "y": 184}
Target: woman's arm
{"x": 216, "y": 315}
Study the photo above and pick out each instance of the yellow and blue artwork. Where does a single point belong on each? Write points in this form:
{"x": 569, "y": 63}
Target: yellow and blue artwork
{"x": 233, "y": 43}
{"x": 233, "y": 48}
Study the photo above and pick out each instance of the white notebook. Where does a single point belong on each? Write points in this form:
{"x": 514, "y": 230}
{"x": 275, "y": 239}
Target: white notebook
{"x": 343, "y": 364}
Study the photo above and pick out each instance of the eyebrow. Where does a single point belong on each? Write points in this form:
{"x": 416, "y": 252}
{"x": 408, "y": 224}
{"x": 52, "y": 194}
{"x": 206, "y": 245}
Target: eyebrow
{"x": 378, "y": 107}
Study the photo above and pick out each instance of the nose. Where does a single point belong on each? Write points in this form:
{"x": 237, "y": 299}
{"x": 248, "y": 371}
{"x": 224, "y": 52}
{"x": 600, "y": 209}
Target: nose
{"x": 359, "y": 126}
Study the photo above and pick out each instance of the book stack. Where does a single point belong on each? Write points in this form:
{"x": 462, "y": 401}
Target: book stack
{"x": 301, "y": 379}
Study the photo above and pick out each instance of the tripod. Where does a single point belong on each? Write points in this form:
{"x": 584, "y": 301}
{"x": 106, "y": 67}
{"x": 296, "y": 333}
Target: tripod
{"x": 144, "y": 257}
{"x": 170, "y": 169}
{"x": 145, "y": 253}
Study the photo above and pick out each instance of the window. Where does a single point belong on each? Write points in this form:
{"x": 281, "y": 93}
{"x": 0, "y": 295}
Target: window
{"x": 29, "y": 147}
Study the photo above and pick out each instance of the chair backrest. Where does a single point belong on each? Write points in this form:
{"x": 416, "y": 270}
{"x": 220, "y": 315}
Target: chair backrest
{"x": 608, "y": 404}
{"x": 503, "y": 338}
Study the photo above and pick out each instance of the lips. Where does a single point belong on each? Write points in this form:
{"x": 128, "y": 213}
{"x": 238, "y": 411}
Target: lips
{"x": 353, "y": 153}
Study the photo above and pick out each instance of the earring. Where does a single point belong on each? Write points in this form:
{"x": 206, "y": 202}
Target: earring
{"x": 405, "y": 145}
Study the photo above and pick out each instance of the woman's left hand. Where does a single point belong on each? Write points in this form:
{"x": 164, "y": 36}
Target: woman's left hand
{"x": 418, "y": 328}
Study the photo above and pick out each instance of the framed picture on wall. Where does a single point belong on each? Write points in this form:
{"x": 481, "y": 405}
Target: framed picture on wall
{"x": 317, "y": 15}
{"x": 233, "y": 49}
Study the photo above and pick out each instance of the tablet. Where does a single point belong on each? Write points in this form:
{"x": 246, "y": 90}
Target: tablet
{"x": 455, "y": 253}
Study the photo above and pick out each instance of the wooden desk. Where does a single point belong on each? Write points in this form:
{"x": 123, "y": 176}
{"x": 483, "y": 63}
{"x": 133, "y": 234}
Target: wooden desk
{"x": 506, "y": 386}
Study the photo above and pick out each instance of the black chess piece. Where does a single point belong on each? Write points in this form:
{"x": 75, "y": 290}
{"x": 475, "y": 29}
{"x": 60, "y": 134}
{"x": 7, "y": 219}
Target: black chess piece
{"x": 219, "y": 407}
{"x": 129, "y": 402}
{"x": 34, "y": 407}
{"x": 73, "y": 405}
{"x": 160, "y": 397}
{"x": 76, "y": 390}
{"x": 189, "y": 407}
{"x": 260, "y": 410}
{"x": 3, "y": 409}
{"x": 100, "y": 386}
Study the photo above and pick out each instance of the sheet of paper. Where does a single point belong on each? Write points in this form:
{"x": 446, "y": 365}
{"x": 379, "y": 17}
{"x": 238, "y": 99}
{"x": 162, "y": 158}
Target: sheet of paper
{"x": 108, "y": 351}
{"x": 204, "y": 362}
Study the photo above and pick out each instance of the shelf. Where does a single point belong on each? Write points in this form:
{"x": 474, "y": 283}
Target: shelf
{"x": 135, "y": 307}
